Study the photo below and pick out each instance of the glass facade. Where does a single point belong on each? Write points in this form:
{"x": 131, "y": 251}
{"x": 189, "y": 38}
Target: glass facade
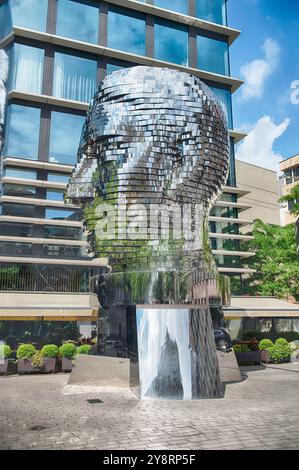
{"x": 17, "y": 210}
{"x": 212, "y": 55}
{"x": 126, "y": 31}
{"x": 58, "y": 177}
{"x": 16, "y": 230}
{"x": 212, "y": 10}
{"x": 36, "y": 19}
{"x": 26, "y": 68}
{"x": 61, "y": 214}
{"x": 20, "y": 173}
{"x": 179, "y": 6}
{"x": 22, "y": 132}
{"x": 64, "y": 137}
{"x": 114, "y": 68}
{"x": 71, "y": 233}
{"x": 74, "y": 77}
{"x": 55, "y": 195}
{"x": 171, "y": 42}
{"x": 5, "y": 19}
{"x": 19, "y": 190}
{"x": 224, "y": 96}
{"x": 78, "y": 20}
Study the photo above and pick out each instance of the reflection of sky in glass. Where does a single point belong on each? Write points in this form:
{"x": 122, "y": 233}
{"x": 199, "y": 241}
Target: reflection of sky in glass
{"x": 224, "y": 96}
{"x": 58, "y": 178}
{"x": 212, "y": 55}
{"x": 22, "y": 132}
{"x": 30, "y": 14}
{"x": 64, "y": 137}
{"x": 26, "y": 71}
{"x": 55, "y": 195}
{"x": 211, "y": 10}
{"x": 78, "y": 20}
{"x": 126, "y": 31}
{"x": 74, "y": 77}
{"x": 59, "y": 214}
{"x": 181, "y": 6}
{"x": 171, "y": 42}
{"x": 113, "y": 68}
{"x": 18, "y": 173}
{"x": 5, "y": 19}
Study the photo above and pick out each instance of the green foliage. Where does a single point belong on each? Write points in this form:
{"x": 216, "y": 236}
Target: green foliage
{"x": 279, "y": 353}
{"x": 253, "y": 334}
{"x": 5, "y": 351}
{"x": 265, "y": 344}
{"x": 84, "y": 349}
{"x": 37, "y": 360}
{"x": 50, "y": 350}
{"x": 25, "y": 351}
{"x": 292, "y": 196}
{"x": 243, "y": 348}
{"x": 281, "y": 342}
{"x": 275, "y": 262}
{"x": 68, "y": 350}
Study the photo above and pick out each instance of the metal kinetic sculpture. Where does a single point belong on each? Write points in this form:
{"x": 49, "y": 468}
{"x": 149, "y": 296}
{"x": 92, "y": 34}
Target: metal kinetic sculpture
{"x": 153, "y": 156}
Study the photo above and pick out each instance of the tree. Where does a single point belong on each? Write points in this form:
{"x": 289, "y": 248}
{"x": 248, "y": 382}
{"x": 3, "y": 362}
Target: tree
{"x": 275, "y": 262}
{"x": 292, "y": 196}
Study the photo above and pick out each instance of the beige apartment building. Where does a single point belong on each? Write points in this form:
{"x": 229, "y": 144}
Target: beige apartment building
{"x": 260, "y": 194}
{"x": 290, "y": 177}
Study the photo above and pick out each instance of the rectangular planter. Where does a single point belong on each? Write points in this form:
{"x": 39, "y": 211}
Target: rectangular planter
{"x": 25, "y": 366}
{"x": 66, "y": 364}
{"x": 252, "y": 357}
{"x": 50, "y": 364}
{"x": 265, "y": 357}
{"x": 3, "y": 367}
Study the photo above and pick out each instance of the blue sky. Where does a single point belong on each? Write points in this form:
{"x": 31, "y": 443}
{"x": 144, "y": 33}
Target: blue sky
{"x": 266, "y": 56}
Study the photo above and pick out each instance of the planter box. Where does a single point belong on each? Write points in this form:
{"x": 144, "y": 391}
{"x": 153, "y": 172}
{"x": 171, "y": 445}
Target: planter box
{"x": 3, "y": 367}
{"x": 252, "y": 357}
{"x": 25, "y": 366}
{"x": 66, "y": 364}
{"x": 265, "y": 357}
{"x": 50, "y": 364}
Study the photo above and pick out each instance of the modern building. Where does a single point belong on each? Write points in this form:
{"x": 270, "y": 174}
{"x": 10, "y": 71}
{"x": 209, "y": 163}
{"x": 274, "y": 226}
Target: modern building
{"x": 58, "y": 52}
{"x": 260, "y": 187}
{"x": 290, "y": 177}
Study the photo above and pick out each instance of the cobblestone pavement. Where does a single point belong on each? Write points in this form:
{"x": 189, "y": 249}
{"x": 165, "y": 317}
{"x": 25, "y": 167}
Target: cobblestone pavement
{"x": 43, "y": 412}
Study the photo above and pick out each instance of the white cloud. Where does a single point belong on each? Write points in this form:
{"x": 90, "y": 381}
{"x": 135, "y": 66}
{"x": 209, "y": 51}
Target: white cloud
{"x": 257, "y": 147}
{"x": 257, "y": 72}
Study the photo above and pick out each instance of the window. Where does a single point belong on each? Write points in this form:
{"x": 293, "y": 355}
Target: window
{"x": 64, "y": 137}
{"x": 18, "y": 210}
{"x": 78, "y": 20}
{"x": 224, "y": 96}
{"x": 212, "y": 55}
{"x": 7, "y": 248}
{"x": 5, "y": 19}
{"x": 55, "y": 195}
{"x": 26, "y": 71}
{"x": 171, "y": 42}
{"x": 74, "y": 77}
{"x": 71, "y": 233}
{"x": 62, "y": 250}
{"x": 126, "y": 31}
{"x": 22, "y": 132}
{"x": 58, "y": 177}
{"x": 30, "y": 14}
{"x": 180, "y": 6}
{"x": 19, "y": 190}
{"x": 114, "y": 68}
{"x": 17, "y": 230}
{"x": 19, "y": 173}
{"x": 62, "y": 214}
{"x": 212, "y": 10}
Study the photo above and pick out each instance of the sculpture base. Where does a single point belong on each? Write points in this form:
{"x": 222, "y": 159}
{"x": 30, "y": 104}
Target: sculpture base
{"x": 172, "y": 352}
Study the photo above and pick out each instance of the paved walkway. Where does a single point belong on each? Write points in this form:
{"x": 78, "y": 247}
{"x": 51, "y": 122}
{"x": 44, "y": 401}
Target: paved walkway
{"x": 43, "y": 412}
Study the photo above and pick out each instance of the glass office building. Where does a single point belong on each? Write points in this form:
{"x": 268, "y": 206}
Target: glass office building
{"x": 58, "y": 52}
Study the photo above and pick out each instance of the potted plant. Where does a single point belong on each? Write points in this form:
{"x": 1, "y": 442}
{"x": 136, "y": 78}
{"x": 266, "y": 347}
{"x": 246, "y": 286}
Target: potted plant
{"x": 68, "y": 352}
{"x": 37, "y": 361}
{"x": 84, "y": 349}
{"x": 5, "y": 352}
{"x": 264, "y": 346}
{"x": 245, "y": 355}
{"x": 49, "y": 353}
{"x": 24, "y": 353}
{"x": 280, "y": 352}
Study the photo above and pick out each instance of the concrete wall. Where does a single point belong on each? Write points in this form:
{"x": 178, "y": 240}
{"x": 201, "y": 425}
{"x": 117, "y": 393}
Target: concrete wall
{"x": 262, "y": 185}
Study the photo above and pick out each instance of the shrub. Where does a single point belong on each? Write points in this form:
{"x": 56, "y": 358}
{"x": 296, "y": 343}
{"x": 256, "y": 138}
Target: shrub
{"x": 241, "y": 348}
{"x": 50, "y": 350}
{"x": 265, "y": 344}
{"x": 68, "y": 350}
{"x": 5, "y": 351}
{"x": 293, "y": 347}
{"x": 281, "y": 342}
{"x": 25, "y": 351}
{"x": 279, "y": 353}
{"x": 84, "y": 349}
{"x": 37, "y": 360}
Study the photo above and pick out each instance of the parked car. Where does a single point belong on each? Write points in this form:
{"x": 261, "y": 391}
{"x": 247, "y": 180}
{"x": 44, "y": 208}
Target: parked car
{"x": 222, "y": 340}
